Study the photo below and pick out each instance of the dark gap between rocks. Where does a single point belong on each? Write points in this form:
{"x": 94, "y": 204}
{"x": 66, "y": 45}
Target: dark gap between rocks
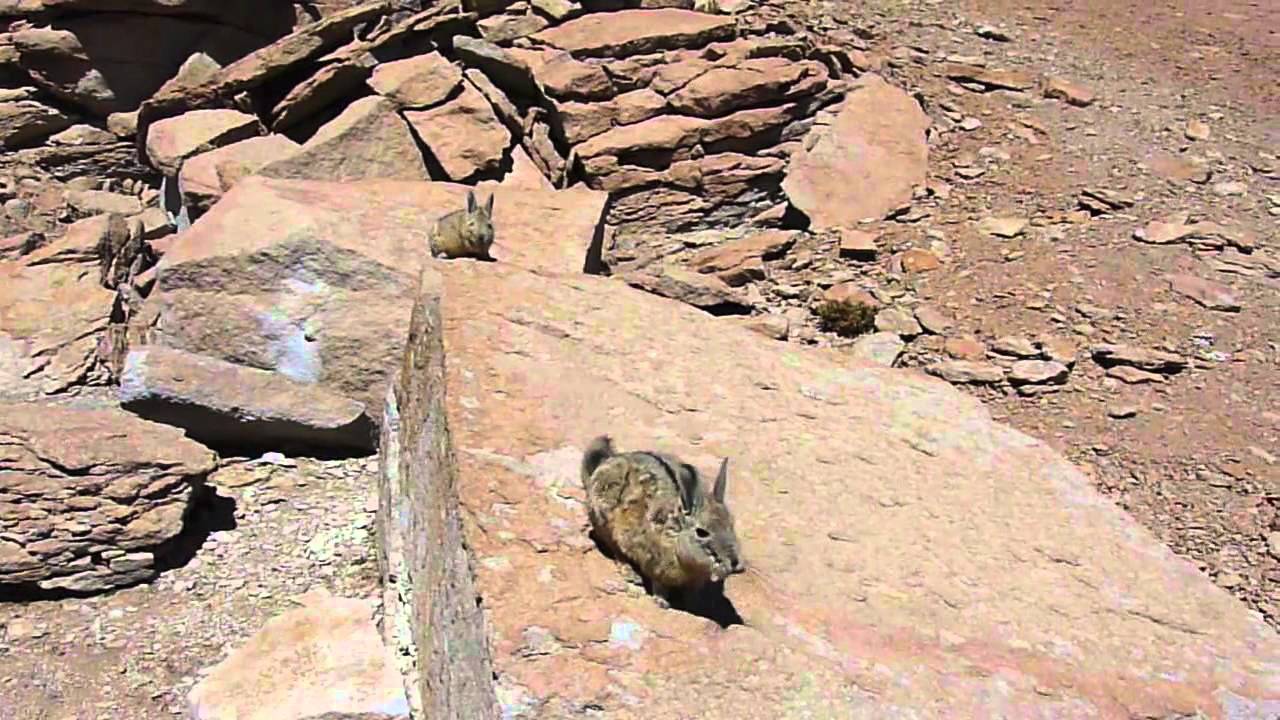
{"x": 208, "y": 513}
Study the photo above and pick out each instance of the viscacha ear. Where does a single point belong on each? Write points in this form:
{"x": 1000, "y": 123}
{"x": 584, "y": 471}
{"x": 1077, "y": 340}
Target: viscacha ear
{"x": 687, "y": 478}
{"x": 471, "y": 202}
{"x": 722, "y": 479}
{"x": 488, "y": 206}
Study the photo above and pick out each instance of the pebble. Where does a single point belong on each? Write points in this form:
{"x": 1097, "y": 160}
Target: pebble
{"x": 1004, "y": 227}
{"x": 1121, "y": 412}
{"x": 1197, "y": 130}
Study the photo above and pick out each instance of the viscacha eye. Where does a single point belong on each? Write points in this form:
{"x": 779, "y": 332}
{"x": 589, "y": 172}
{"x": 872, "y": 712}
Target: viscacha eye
{"x": 702, "y": 533}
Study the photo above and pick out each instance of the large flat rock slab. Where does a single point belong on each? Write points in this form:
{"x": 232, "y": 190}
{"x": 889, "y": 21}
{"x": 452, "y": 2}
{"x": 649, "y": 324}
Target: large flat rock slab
{"x": 222, "y": 404}
{"x": 314, "y": 280}
{"x": 910, "y": 557}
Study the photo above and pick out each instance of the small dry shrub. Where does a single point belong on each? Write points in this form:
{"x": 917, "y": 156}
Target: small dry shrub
{"x": 846, "y": 318}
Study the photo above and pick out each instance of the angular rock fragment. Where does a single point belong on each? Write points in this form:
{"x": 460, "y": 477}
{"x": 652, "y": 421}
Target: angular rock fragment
{"x": 988, "y": 78}
{"x": 331, "y": 84}
{"x": 866, "y": 163}
{"x": 416, "y": 82}
{"x": 224, "y": 405}
{"x": 632, "y": 32}
{"x": 966, "y": 372}
{"x": 208, "y": 176}
{"x": 1037, "y": 372}
{"x": 967, "y": 529}
{"x": 311, "y": 280}
{"x": 27, "y": 121}
{"x": 881, "y": 348}
{"x": 322, "y": 660}
{"x": 464, "y": 135}
{"x": 172, "y": 141}
{"x": 1206, "y": 293}
{"x": 368, "y": 140}
{"x": 1108, "y": 355}
{"x": 769, "y": 245}
{"x": 701, "y": 291}
{"x": 90, "y": 496}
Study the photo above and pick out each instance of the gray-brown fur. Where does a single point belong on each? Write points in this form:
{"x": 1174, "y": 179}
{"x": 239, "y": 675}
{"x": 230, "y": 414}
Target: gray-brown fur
{"x": 464, "y": 233}
{"x": 654, "y": 511}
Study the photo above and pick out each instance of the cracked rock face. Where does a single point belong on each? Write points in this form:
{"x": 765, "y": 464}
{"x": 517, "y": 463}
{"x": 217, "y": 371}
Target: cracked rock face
{"x": 89, "y": 497}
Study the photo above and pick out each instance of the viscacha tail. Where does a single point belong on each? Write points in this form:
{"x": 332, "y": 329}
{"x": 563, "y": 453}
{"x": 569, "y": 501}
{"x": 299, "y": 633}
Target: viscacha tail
{"x": 598, "y": 450}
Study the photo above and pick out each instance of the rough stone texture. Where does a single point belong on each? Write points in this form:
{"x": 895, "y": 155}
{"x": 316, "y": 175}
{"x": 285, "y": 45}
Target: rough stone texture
{"x": 769, "y": 245}
{"x": 464, "y": 135}
{"x": 988, "y": 78}
{"x": 1205, "y": 234}
{"x": 429, "y": 595}
{"x": 249, "y": 410}
{"x": 110, "y": 62}
{"x": 322, "y": 660}
{"x": 82, "y": 135}
{"x": 314, "y": 280}
{"x": 331, "y": 84}
{"x": 1109, "y": 355}
{"x": 690, "y": 130}
{"x": 27, "y": 121}
{"x": 754, "y": 81}
{"x": 506, "y": 70}
{"x": 418, "y": 81}
{"x": 899, "y": 321}
{"x": 84, "y": 203}
{"x": 1037, "y": 372}
{"x": 711, "y": 294}
{"x": 866, "y": 163}
{"x": 196, "y": 69}
{"x": 881, "y": 348}
{"x": 503, "y": 29}
{"x": 171, "y": 141}
{"x": 911, "y": 557}
{"x": 88, "y": 496}
{"x": 48, "y": 352}
{"x": 208, "y": 176}
{"x": 1003, "y": 227}
{"x": 1206, "y": 293}
{"x": 368, "y": 140}
{"x": 631, "y": 32}
{"x": 966, "y": 371}
{"x": 258, "y": 67}
{"x": 1072, "y": 93}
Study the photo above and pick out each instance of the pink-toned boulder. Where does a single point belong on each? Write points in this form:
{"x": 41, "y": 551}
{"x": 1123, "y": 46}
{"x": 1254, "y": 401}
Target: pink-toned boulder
{"x": 208, "y": 176}
{"x": 909, "y": 556}
{"x": 324, "y": 659}
{"x": 369, "y": 140}
{"x": 173, "y": 140}
{"x": 89, "y": 498}
{"x": 749, "y": 83}
{"x": 419, "y": 81}
{"x": 44, "y": 352}
{"x": 631, "y": 32}
{"x": 313, "y": 280}
{"x": 1206, "y": 293}
{"x": 464, "y": 135}
{"x": 866, "y": 162}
